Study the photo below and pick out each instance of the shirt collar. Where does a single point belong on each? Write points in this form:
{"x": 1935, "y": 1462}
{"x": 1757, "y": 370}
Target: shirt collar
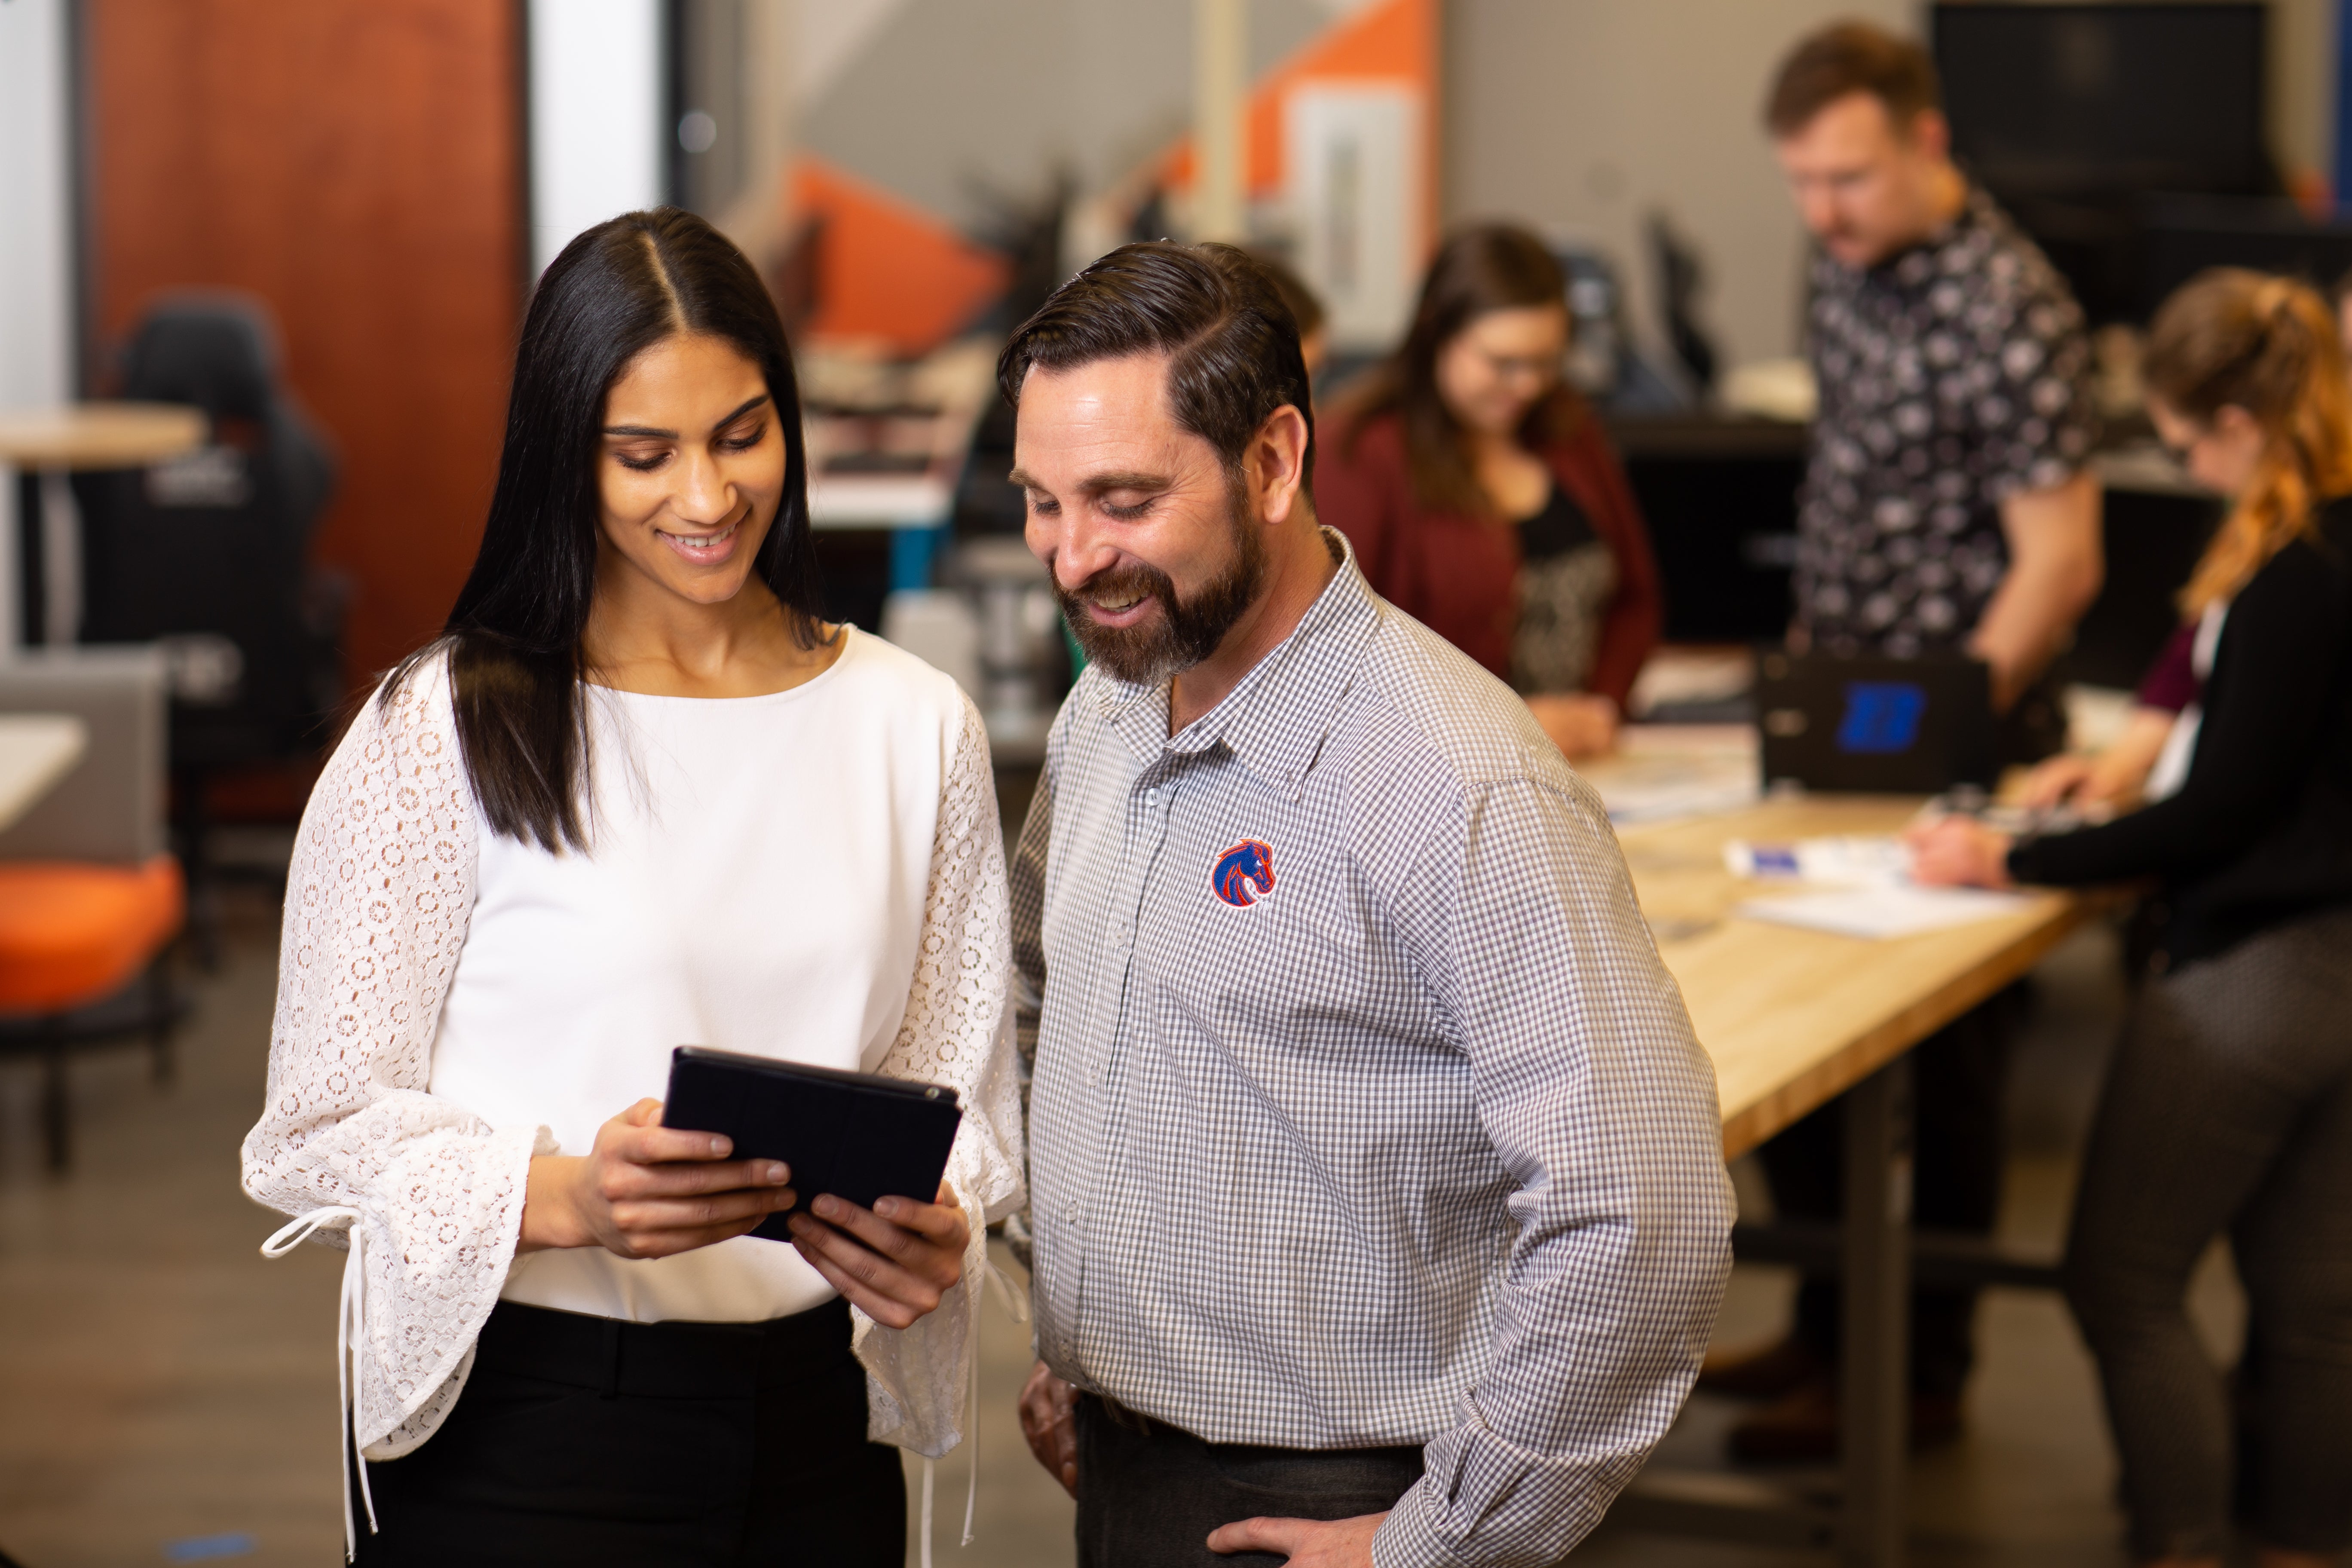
{"x": 1274, "y": 721}
{"x": 1916, "y": 263}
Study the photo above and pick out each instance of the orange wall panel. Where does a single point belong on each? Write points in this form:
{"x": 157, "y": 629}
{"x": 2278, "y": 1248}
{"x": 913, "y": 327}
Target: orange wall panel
{"x": 887, "y": 271}
{"x": 358, "y": 163}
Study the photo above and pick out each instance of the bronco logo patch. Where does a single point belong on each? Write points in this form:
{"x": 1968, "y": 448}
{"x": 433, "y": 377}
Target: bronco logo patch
{"x": 1244, "y": 874}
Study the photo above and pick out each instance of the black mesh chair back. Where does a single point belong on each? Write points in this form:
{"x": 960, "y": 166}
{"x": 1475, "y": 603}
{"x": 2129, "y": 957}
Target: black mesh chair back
{"x": 209, "y": 552}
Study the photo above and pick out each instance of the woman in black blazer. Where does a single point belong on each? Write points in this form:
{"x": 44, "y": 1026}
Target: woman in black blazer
{"x": 2229, "y": 1105}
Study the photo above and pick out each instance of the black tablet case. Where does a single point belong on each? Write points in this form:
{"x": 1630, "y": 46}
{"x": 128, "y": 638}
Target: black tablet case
{"x": 852, "y": 1134}
{"x": 1904, "y": 726}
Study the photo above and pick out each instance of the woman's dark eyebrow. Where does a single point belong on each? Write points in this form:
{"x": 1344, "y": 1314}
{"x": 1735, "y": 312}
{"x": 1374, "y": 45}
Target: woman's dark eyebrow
{"x": 748, "y": 403}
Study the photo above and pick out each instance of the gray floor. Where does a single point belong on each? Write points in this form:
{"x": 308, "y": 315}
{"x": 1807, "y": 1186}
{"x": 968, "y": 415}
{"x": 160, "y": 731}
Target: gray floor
{"x": 170, "y": 1396}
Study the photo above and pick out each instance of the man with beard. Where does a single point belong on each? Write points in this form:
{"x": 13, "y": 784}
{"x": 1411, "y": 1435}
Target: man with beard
{"x": 1379, "y": 1208}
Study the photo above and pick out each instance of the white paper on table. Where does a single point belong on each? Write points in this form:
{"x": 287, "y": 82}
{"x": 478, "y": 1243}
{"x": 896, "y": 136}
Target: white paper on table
{"x": 1879, "y": 912}
{"x": 1670, "y": 772}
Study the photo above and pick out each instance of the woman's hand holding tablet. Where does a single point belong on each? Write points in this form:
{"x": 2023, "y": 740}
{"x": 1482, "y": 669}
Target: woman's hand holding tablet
{"x": 895, "y": 1261}
{"x": 649, "y": 1191}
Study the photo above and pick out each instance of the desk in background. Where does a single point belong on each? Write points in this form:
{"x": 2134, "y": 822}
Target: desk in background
{"x": 54, "y": 442}
{"x": 1792, "y": 1020}
{"x": 36, "y": 750}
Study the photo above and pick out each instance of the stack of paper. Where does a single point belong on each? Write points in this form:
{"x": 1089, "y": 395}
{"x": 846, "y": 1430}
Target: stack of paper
{"x": 1665, "y": 773}
{"x": 1887, "y": 912}
{"x": 1863, "y": 888}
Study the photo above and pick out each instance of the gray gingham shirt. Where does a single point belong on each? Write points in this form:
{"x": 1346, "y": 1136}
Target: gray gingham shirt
{"x": 1363, "y": 1112}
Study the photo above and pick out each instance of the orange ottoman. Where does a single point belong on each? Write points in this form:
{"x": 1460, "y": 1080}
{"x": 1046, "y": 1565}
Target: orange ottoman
{"x": 74, "y": 933}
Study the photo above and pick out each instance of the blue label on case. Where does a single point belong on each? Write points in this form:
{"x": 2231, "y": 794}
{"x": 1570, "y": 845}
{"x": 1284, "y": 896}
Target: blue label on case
{"x": 1881, "y": 717}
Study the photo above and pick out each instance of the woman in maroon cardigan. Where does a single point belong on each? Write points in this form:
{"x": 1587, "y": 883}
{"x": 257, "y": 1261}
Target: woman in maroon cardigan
{"x": 1483, "y": 498}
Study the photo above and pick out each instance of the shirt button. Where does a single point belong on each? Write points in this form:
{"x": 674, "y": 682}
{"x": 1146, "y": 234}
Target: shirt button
{"x": 1071, "y": 1212}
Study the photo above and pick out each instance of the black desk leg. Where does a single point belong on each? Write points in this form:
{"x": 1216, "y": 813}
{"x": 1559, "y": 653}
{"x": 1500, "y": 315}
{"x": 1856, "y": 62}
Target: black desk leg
{"x": 1875, "y": 1385}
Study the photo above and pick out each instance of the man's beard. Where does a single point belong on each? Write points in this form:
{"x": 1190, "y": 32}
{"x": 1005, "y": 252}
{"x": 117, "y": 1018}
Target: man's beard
{"x": 1186, "y": 631}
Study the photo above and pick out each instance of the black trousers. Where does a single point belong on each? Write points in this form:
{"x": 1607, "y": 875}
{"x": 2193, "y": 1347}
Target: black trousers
{"x": 1959, "y": 1075}
{"x": 1150, "y": 1493}
{"x": 589, "y": 1441}
{"x": 2228, "y": 1108}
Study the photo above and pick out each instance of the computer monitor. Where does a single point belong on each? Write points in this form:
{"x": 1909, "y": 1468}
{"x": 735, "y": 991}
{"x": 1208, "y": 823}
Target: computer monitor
{"x": 2065, "y": 100}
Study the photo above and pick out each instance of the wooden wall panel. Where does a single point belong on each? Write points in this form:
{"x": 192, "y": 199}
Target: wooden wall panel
{"x": 358, "y": 163}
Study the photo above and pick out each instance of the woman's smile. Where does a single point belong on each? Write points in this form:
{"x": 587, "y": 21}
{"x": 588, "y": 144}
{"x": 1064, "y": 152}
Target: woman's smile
{"x": 703, "y": 549}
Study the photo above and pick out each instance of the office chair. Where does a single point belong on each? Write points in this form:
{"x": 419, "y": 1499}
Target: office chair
{"x": 90, "y": 900}
{"x": 209, "y": 556}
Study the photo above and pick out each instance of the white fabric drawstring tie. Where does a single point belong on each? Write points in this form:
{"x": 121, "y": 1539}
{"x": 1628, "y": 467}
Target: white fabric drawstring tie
{"x": 1017, "y": 1309}
{"x": 350, "y": 1336}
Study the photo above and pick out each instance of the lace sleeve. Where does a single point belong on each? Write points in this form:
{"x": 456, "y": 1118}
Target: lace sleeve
{"x": 377, "y": 902}
{"x": 957, "y": 1032}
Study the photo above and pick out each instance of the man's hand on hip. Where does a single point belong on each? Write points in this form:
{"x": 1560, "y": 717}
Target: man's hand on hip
{"x": 1306, "y": 1542}
{"x": 1049, "y": 1420}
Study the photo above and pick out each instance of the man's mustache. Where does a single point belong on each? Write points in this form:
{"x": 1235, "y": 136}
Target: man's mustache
{"x": 1118, "y": 583}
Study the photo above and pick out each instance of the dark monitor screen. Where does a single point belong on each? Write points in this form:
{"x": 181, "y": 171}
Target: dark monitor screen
{"x": 2054, "y": 100}
{"x": 2183, "y": 235}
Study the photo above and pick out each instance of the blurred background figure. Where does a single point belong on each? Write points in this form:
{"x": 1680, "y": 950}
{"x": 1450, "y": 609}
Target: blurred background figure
{"x": 1947, "y": 510}
{"x": 1482, "y": 495}
{"x": 1314, "y": 339}
{"x": 2227, "y": 1108}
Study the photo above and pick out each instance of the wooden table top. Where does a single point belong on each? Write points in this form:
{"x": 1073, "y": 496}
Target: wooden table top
{"x": 36, "y": 750}
{"x": 99, "y": 434}
{"x": 1792, "y": 1017}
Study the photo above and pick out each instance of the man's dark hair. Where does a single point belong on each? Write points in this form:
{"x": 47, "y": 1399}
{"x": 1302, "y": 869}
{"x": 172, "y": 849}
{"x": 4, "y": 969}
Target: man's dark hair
{"x": 1231, "y": 343}
{"x": 1849, "y": 58}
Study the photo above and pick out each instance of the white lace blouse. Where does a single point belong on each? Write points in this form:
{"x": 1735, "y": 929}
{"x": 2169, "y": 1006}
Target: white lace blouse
{"x": 816, "y": 874}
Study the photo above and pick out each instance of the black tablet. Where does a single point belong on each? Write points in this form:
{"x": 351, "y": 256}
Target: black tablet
{"x": 853, "y": 1134}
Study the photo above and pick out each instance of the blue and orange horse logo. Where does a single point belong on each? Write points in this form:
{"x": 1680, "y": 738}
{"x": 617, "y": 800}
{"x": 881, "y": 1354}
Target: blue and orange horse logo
{"x": 1244, "y": 874}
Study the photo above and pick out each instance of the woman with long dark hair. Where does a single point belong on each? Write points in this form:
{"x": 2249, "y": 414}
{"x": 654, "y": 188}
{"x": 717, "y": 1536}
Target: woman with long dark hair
{"x": 2227, "y": 1108}
{"x": 1483, "y": 497}
{"x": 638, "y": 795}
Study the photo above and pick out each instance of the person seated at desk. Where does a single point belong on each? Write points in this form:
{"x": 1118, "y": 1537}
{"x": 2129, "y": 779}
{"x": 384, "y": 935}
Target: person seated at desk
{"x": 1483, "y": 497}
{"x": 2227, "y": 1106}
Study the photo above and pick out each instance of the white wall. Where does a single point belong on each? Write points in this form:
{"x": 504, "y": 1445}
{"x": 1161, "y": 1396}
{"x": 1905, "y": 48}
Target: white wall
{"x": 941, "y": 100}
{"x": 1586, "y": 116}
{"x": 597, "y": 141}
{"x": 36, "y": 300}
{"x": 2302, "y": 85}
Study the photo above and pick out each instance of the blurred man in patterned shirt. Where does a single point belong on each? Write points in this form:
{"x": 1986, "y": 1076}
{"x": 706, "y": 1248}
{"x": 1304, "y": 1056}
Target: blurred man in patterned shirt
{"x": 1947, "y": 510}
{"x": 1377, "y": 1183}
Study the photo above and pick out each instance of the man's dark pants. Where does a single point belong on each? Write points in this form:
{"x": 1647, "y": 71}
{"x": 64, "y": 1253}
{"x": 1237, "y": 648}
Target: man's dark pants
{"x": 1150, "y": 1493}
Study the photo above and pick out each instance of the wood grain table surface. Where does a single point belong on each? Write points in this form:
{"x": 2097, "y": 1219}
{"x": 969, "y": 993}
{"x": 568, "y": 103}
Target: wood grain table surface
{"x": 1793, "y": 1017}
{"x": 98, "y": 434}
